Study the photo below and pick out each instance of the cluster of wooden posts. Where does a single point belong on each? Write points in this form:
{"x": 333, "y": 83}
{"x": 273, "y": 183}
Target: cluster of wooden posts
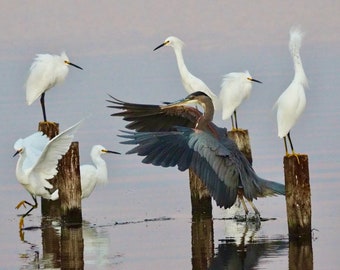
{"x": 298, "y": 197}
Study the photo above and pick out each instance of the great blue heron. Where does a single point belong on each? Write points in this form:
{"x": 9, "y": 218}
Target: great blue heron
{"x": 292, "y": 101}
{"x": 174, "y": 134}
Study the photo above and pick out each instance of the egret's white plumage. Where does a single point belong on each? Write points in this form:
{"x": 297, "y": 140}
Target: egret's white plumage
{"x": 38, "y": 160}
{"x": 91, "y": 175}
{"x": 235, "y": 88}
{"x": 46, "y": 71}
{"x": 292, "y": 101}
{"x": 190, "y": 82}
{"x": 37, "y": 163}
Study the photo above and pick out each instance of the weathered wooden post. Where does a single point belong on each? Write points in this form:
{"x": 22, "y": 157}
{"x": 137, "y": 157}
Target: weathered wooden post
{"x": 241, "y": 138}
{"x": 298, "y": 197}
{"x": 67, "y": 180}
{"x": 200, "y": 197}
{"x": 70, "y": 187}
{"x": 298, "y": 202}
{"x": 202, "y": 241}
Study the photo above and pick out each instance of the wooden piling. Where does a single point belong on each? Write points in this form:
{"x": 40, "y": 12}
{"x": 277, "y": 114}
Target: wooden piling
{"x": 70, "y": 186}
{"x": 67, "y": 180}
{"x": 200, "y": 196}
{"x": 241, "y": 138}
{"x": 298, "y": 197}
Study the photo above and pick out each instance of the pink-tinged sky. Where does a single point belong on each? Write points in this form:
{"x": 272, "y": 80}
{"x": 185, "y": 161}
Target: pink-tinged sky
{"x": 115, "y": 27}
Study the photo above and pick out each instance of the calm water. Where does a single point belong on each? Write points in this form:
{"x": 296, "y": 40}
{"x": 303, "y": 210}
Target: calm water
{"x": 142, "y": 218}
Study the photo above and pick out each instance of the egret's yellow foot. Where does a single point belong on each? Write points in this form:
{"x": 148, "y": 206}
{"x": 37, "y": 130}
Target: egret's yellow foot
{"x": 295, "y": 155}
{"x": 22, "y": 203}
{"x": 21, "y": 223}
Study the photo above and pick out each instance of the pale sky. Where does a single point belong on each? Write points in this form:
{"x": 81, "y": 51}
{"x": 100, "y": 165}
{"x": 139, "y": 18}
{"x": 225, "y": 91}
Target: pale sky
{"x": 114, "y": 27}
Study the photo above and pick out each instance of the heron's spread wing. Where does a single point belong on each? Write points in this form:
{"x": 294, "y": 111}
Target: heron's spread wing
{"x": 189, "y": 148}
{"x": 143, "y": 117}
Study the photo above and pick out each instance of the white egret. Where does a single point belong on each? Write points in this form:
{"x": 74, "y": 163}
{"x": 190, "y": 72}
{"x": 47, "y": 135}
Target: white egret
{"x": 38, "y": 161}
{"x": 91, "y": 175}
{"x": 46, "y": 71}
{"x": 235, "y": 88}
{"x": 189, "y": 81}
{"x": 292, "y": 101}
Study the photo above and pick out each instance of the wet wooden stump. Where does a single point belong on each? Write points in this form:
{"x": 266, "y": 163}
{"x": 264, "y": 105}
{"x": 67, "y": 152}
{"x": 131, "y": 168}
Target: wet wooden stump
{"x": 200, "y": 196}
{"x": 202, "y": 242}
{"x": 298, "y": 197}
{"x": 67, "y": 180}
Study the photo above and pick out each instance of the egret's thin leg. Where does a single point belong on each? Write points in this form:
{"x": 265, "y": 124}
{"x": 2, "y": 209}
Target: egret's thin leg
{"x": 236, "y": 125}
{"x": 291, "y": 146}
{"x": 232, "y": 123}
{"x": 285, "y": 142}
{"x": 290, "y": 142}
{"x": 42, "y": 102}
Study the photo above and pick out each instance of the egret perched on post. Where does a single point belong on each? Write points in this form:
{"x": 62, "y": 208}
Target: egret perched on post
{"x": 46, "y": 71}
{"x": 292, "y": 101}
{"x": 180, "y": 135}
{"x": 189, "y": 81}
{"x": 90, "y": 175}
{"x": 235, "y": 88}
{"x": 38, "y": 161}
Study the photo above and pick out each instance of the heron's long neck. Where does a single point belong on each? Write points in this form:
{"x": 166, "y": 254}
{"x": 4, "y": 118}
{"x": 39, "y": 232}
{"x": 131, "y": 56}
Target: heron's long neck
{"x": 101, "y": 169}
{"x": 180, "y": 62}
{"x": 207, "y": 116}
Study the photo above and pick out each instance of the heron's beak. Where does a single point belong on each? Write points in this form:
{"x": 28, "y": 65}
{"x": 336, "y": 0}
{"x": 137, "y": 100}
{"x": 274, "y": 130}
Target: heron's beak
{"x": 180, "y": 102}
{"x": 253, "y": 80}
{"x": 160, "y": 46}
{"x": 112, "y": 152}
{"x": 74, "y": 65}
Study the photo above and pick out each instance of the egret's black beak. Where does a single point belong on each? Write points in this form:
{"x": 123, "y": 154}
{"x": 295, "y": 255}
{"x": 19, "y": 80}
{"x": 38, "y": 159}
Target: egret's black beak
{"x": 160, "y": 46}
{"x": 253, "y": 80}
{"x": 17, "y": 152}
{"x": 74, "y": 65}
{"x": 112, "y": 152}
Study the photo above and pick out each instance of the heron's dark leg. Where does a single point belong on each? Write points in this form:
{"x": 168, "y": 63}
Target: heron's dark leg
{"x": 257, "y": 212}
{"x": 42, "y": 102}
{"x": 240, "y": 195}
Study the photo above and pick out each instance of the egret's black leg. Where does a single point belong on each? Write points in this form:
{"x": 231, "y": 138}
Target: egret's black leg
{"x": 42, "y": 102}
{"x": 236, "y": 125}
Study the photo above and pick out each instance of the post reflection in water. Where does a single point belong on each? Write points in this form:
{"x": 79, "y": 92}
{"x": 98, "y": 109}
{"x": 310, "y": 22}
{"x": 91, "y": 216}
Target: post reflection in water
{"x": 242, "y": 249}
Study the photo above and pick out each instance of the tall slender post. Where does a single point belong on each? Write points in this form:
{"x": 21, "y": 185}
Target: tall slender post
{"x": 299, "y": 213}
{"x": 298, "y": 197}
{"x": 70, "y": 187}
